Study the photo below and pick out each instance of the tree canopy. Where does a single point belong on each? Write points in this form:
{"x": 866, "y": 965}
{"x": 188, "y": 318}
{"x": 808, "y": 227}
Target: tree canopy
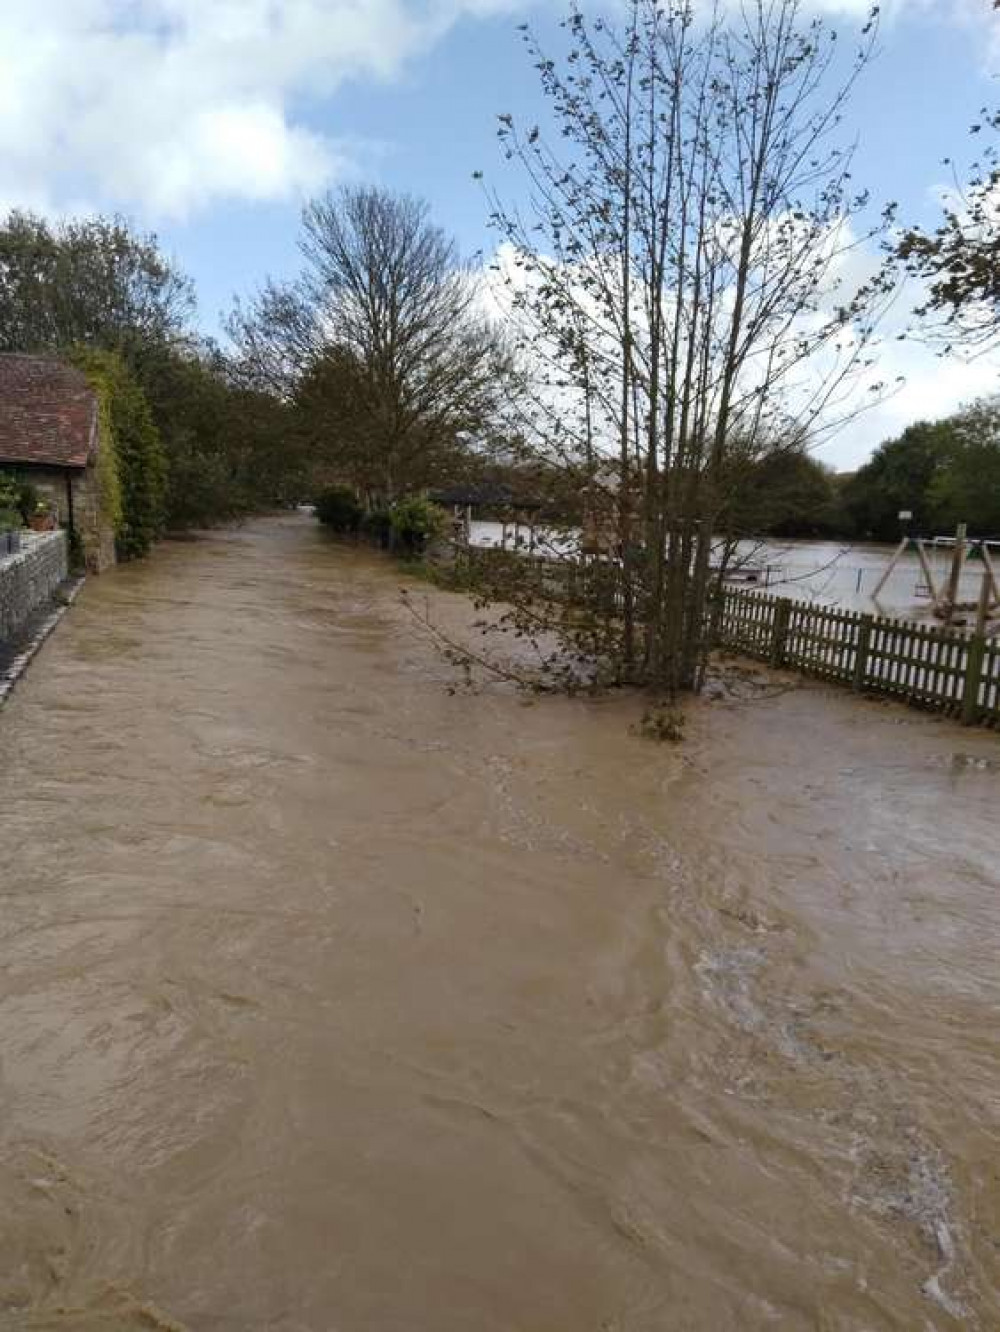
{"x": 87, "y": 281}
{"x": 381, "y": 342}
{"x": 943, "y": 472}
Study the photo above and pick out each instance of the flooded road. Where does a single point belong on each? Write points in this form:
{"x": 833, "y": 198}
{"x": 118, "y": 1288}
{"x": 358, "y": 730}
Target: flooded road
{"x": 333, "y": 1001}
{"x": 843, "y": 575}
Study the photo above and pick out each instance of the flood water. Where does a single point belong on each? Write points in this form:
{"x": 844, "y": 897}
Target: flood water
{"x": 336, "y": 1001}
{"x": 843, "y": 575}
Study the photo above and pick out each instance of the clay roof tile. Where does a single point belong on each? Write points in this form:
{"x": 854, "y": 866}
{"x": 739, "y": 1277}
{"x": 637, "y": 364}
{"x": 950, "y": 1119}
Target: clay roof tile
{"x": 48, "y": 413}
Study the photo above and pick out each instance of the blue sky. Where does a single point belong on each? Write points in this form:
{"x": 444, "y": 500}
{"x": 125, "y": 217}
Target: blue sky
{"x": 210, "y": 120}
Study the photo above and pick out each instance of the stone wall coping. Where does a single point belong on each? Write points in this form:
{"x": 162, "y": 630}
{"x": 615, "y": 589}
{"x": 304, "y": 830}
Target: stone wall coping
{"x": 31, "y": 542}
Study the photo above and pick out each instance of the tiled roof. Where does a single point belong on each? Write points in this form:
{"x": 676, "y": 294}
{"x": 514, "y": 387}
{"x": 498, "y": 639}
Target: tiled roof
{"x": 48, "y": 413}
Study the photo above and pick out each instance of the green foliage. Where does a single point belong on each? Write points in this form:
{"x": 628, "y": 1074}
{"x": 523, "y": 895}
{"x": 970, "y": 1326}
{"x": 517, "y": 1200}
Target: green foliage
{"x": 959, "y": 262}
{"x": 29, "y": 501}
{"x": 376, "y": 525}
{"x": 786, "y": 493}
{"x": 416, "y": 521}
{"x": 131, "y": 460}
{"x": 109, "y": 484}
{"x": 338, "y": 509}
{"x": 663, "y": 722}
{"x": 965, "y": 487}
{"x": 101, "y": 370}
{"x": 229, "y": 450}
{"x": 381, "y": 344}
{"x": 945, "y": 472}
{"x": 10, "y": 513}
{"x": 142, "y": 468}
{"x": 20, "y": 497}
{"x": 89, "y": 281}
{"x": 10, "y": 495}
{"x": 898, "y": 477}
{"x": 99, "y": 287}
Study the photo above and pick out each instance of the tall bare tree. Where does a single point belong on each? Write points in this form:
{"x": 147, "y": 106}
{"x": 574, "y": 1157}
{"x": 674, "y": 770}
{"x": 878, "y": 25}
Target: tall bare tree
{"x": 680, "y": 282}
{"x": 383, "y": 338}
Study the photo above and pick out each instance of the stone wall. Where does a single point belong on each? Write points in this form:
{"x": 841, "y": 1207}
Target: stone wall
{"x": 96, "y": 534}
{"x": 28, "y": 580}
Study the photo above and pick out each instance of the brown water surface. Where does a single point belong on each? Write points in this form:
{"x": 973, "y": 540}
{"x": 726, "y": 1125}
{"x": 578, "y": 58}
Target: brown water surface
{"x": 332, "y": 1001}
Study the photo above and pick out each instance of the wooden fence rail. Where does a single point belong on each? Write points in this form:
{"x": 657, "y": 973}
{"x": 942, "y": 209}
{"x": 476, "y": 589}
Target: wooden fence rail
{"x": 932, "y": 666}
{"x": 945, "y": 669}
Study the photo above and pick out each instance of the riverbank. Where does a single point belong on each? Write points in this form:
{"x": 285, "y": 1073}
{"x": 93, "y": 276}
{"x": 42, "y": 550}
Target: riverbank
{"x": 337, "y": 995}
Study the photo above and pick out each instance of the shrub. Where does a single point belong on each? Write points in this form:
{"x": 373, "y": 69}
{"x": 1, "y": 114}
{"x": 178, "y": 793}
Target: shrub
{"x": 30, "y": 502}
{"x": 10, "y": 498}
{"x": 338, "y": 509}
{"x": 415, "y": 522}
{"x": 376, "y": 525}
{"x": 20, "y": 497}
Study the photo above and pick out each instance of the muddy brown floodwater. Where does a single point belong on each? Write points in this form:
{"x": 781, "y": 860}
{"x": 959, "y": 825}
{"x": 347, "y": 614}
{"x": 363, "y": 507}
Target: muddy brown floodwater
{"x": 334, "y": 1002}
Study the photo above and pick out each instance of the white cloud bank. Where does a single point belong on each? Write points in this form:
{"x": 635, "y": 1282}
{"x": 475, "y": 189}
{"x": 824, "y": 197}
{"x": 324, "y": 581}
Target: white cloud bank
{"x": 163, "y": 107}
{"x": 166, "y": 106}
{"x": 933, "y": 387}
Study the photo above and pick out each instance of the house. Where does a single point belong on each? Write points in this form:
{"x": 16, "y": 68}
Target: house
{"x": 49, "y": 437}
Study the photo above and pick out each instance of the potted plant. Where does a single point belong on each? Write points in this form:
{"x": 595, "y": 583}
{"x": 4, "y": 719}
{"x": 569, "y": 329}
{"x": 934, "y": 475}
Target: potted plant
{"x": 40, "y": 519}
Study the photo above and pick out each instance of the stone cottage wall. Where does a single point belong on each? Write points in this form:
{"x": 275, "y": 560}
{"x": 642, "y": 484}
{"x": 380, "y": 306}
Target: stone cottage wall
{"x": 28, "y": 580}
{"x": 96, "y": 533}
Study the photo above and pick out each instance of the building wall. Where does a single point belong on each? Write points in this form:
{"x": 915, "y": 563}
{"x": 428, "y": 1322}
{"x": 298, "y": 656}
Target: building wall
{"x": 95, "y": 533}
{"x": 28, "y": 580}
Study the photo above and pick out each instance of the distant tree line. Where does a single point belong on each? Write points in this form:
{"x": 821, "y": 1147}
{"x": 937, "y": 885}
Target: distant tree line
{"x": 942, "y": 472}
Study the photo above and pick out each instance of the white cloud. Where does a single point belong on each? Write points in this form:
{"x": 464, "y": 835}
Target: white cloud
{"x": 934, "y": 386}
{"x": 164, "y": 106}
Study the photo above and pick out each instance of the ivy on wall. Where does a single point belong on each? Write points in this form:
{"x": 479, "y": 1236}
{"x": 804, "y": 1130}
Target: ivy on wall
{"x": 131, "y": 464}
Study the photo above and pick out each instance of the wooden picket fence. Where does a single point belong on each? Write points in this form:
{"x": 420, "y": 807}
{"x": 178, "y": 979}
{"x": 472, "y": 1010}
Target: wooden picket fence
{"x": 945, "y": 669}
{"x": 948, "y": 670}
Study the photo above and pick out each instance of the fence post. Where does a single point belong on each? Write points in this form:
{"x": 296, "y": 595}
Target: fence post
{"x": 861, "y": 651}
{"x": 973, "y": 679}
{"x": 779, "y": 631}
{"x": 715, "y": 625}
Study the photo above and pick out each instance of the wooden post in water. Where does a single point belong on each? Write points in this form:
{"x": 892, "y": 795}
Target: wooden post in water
{"x": 992, "y": 575}
{"x": 985, "y": 601}
{"x": 954, "y": 578}
{"x": 900, "y": 552}
{"x": 976, "y": 657}
{"x": 928, "y": 574}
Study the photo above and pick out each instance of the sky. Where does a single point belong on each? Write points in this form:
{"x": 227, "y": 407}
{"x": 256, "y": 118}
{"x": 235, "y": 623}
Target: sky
{"x": 210, "y": 121}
